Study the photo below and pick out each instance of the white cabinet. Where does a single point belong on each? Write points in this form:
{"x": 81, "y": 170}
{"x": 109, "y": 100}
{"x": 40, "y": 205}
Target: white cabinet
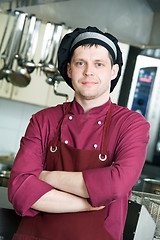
{"x": 38, "y": 92}
{"x": 34, "y": 93}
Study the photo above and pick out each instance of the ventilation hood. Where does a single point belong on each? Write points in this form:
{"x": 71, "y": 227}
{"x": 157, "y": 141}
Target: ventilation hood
{"x": 135, "y": 22}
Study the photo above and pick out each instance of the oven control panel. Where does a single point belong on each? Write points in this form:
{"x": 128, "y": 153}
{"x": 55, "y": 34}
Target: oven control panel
{"x": 143, "y": 89}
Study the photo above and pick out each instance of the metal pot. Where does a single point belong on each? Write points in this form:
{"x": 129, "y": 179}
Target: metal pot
{"x": 4, "y": 178}
{"x": 151, "y": 186}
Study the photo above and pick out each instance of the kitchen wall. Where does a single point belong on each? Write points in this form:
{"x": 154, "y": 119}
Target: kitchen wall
{"x": 14, "y": 118}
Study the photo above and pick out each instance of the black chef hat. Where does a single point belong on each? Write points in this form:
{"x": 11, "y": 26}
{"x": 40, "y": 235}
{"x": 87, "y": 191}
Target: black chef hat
{"x": 88, "y": 35}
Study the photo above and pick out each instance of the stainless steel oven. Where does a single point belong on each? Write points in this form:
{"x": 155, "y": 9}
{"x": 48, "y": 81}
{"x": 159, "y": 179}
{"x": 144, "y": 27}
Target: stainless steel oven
{"x": 145, "y": 98}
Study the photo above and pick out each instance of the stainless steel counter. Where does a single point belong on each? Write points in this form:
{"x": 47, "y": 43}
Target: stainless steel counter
{"x": 4, "y": 202}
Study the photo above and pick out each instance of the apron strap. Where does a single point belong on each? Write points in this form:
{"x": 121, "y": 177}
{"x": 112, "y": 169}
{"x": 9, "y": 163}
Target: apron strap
{"x": 53, "y": 148}
{"x": 103, "y": 155}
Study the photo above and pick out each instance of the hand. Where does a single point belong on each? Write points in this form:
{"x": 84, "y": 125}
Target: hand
{"x": 96, "y": 208}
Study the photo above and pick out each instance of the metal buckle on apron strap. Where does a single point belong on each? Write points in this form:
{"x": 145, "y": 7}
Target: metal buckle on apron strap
{"x": 53, "y": 149}
{"x": 102, "y": 157}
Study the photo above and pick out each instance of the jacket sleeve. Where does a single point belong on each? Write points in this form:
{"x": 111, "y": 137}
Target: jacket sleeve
{"x": 113, "y": 182}
{"x": 24, "y": 186}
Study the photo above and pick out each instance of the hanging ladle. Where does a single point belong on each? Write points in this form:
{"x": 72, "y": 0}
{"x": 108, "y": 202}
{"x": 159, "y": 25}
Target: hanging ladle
{"x": 23, "y": 55}
{"x": 5, "y": 54}
{"x": 20, "y": 77}
{"x": 46, "y": 39}
{"x": 30, "y": 65}
{"x": 11, "y": 76}
{"x": 5, "y": 30}
{"x": 50, "y": 68}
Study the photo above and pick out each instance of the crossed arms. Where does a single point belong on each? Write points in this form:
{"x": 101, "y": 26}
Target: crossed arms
{"x": 69, "y": 193}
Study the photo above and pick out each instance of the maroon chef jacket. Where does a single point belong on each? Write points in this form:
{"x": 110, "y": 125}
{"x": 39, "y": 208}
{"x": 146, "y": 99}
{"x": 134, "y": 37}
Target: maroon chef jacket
{"x": 128, "y": 138}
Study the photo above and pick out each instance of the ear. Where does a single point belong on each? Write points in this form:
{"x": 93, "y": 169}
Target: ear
{"x": 115, "y": 70}
{"x": 69, "y": 70}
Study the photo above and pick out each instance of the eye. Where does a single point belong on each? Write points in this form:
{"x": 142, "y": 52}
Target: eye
{"x": 80, "y": 63}
{"x": 99, "y": 64}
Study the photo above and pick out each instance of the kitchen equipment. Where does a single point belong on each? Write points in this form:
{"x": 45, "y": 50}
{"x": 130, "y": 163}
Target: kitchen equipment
{"x": 48, "y": 45}
{"x": 15, "y": 47}
{"x": 151, "y": 186}
{"x": 139, "y": 223}
{"x": 152, "y": 204}
{"x": 50, "y": 68}
{"x": 5, "y": 29}
{"x": 55, "y": 86}
{"x": 20, "y": 77}
{"x": 6, "y": 162}
{"x": 4, "y": 178}
{"x": 46, "y": 39}
{"x": 30, "y": 64}
{"x": 23, "y": 56}
{"x": 5, "y": 54}
{"x": 145, "y": 97}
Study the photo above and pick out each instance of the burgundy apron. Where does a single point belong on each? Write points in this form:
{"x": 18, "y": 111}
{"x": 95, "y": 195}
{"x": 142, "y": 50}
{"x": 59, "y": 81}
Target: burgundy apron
{"x": 70, "y": 226}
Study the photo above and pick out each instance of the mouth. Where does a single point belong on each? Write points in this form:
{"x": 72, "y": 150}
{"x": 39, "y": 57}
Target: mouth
{"x": 89, "y": 83}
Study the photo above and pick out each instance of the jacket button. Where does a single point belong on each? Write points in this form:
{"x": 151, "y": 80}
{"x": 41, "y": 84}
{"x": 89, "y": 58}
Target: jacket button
{"x": 95, "y": 145}
{"x": 70, "y": 117}
{"x": 99, "y": 122}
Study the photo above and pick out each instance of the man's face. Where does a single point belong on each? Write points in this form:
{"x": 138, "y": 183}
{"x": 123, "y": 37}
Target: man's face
{"x": 91, "y": 73}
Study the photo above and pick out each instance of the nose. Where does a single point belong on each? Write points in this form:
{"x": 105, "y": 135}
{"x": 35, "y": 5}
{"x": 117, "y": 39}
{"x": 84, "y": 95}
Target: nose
{"x": 88, "y": 71}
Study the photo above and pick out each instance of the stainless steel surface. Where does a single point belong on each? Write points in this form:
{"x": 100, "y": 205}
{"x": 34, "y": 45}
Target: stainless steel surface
{"x": 30, "y": 64}
{"x": 55, "y": 86}
{"x": 7, "y": 160}
{"x": 139, "y": 223}
{"x": 44, "y": 49}
{"x": 49, "y": 44}
{"x": 151, "y": 186}
{"x": 4, "y": 202}
{"x": 15, "y": 47}
{"x": 17, "y": 39}
{"x": 133, "y": 22}
{"x": 28, "y": 40}
{"x": 50, "y": 67}
{"x": 152, "y": 204}
{"x": 4, "y": 178}
{"x": 20, "y": 76}
{"x": 153, "y": 107}
{"x": 5, "y": 30}
{"x": 6, "y": 52}
{"x": 6, "y": 163}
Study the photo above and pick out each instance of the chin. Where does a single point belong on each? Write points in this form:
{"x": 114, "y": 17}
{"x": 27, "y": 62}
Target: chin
{"x": 89, "y": 96}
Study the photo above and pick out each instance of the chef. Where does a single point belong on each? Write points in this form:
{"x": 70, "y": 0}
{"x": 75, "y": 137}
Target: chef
{"x": 77, "y": 163}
